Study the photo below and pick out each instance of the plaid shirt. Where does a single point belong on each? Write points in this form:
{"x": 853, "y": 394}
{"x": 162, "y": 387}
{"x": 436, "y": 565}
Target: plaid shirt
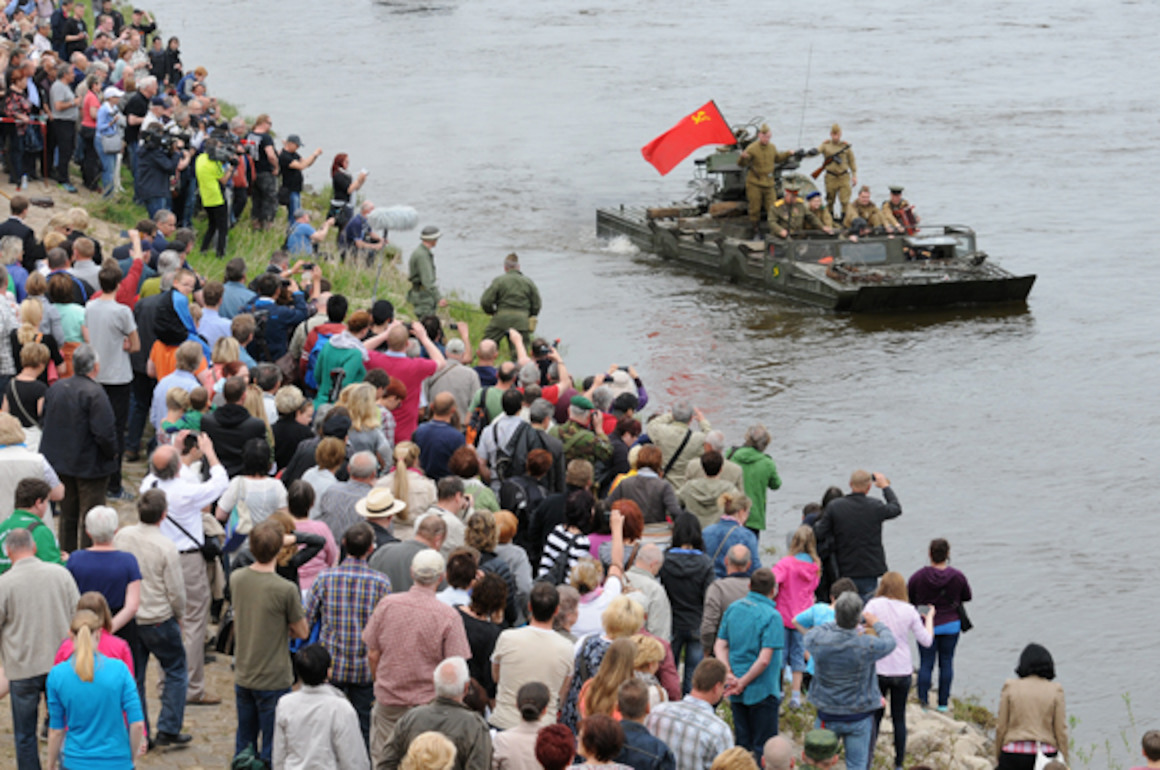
{"x": 692, "y": 730}
{"x": 343, "y": 598}
{"x": 414, "y": 632}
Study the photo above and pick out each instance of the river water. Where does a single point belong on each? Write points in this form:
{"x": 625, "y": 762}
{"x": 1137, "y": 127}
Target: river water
{"x": 1026, "y": 437}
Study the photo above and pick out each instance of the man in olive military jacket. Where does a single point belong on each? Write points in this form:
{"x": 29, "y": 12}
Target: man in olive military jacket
{"x": 761, "y": 157}
{"x": 841, "y": 170}
{"x": 512, "y": 301}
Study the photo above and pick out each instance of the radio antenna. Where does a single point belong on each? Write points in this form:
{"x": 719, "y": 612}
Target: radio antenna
{"x": 805, "y": 93}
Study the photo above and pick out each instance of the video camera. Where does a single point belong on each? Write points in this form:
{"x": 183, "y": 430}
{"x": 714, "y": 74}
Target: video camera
{"x": 222, "y": 145}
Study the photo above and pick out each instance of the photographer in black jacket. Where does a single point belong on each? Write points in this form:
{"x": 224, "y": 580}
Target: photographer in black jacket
{"x": 159, "y": 158}
{"x": 852, "y": 525}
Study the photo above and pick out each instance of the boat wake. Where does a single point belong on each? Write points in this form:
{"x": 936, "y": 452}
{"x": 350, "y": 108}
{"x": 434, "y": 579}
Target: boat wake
{"x": 621, "y": 244}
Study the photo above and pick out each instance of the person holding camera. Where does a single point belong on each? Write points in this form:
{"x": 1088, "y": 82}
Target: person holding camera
{"x": 160, "y": 158}
{"x": 212, "y": 176}
{"x": 854, "y": 523}
{"x": 512, "y": 301}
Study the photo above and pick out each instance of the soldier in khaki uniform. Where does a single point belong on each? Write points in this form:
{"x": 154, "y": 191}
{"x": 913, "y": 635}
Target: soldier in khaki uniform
{"x": 760, "y": 158}
{"x": 864, "y": 207}
{"x": 790, "y": 215}
{"x": 814, "y": 203}
{"x": 841, "y": 169}
{"x": 424, "y": 294}
{"x": 895, "y": 204}
{"x": 512, "y": 301}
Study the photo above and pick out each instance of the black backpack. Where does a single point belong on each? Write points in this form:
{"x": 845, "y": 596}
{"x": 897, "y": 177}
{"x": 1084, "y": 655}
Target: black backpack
{"x": 505, "y": 467}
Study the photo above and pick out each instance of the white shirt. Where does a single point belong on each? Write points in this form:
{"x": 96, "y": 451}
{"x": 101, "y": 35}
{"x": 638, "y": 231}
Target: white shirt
{"x": 185, "y": 501}
{"x": 317, "y": 727}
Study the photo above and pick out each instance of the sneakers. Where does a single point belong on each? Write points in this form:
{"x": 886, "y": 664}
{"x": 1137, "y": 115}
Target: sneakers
{"x": 205, "y": 699}
{"x": 172, "y": 739}
{"x": 68, "y": 187}
{"x": 124, "y": 494}
{"x": 795, "y": 701}
{"x": 943, "y": 709}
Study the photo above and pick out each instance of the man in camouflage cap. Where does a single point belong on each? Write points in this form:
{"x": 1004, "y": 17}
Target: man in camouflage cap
{"x": 761, "y": 157}
{"x": 821, "y": 749}
{"x": 512, "y": 301}
{"x": 841, "y": 169}
{"x": 790, "y": 215}
{"x": 582, "y": 436}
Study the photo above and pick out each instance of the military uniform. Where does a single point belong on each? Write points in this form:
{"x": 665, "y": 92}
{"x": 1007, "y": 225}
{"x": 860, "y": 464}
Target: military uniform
{"x": 867, "y": 211}
{"x": 823, "y": 215}
{"x": 793, "y": 217}
{"x": 840, "y": 169}
{"x": 580, "y": 443}
{"x": 511, "y": 300}
{"x": 890, "y": 211}
{"x": 760, "y": 186}
{"x": 424, "y": 294}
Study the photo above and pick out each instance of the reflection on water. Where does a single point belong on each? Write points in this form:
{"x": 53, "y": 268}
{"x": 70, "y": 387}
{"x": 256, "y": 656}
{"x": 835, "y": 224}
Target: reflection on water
{"x": 1026, "y": 436}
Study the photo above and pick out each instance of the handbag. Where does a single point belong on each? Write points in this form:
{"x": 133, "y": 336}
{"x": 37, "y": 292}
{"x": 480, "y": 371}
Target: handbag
{"x": 210, "y": 550}
{"x": 965, "y": 623}
{"x": 31, "y": 140}
{"x": 112, "y": 144}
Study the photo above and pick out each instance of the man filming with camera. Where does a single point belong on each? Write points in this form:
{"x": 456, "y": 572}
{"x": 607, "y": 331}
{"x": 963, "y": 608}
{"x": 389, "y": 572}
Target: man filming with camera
{"x": 213, "y": 170}
{"x": 161, "y": 156}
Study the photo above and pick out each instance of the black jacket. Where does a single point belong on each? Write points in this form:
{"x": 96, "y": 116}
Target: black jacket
{"x": 853, "y": 527}
{"x": 686, "y": 576}
{"x": 79, "y": 436}
{"x": 644, "y": 751}
{"x": 229, "y": 427}
{"x": 32, "y": 250}
{"x": 155, "y": 166}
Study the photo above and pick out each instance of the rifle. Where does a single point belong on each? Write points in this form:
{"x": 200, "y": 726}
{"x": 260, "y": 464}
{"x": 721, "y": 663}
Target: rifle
{"x": 827, "y": 160}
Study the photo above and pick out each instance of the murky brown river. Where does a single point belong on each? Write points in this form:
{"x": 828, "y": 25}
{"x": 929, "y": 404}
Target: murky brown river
{"x": 1027, "y": 437}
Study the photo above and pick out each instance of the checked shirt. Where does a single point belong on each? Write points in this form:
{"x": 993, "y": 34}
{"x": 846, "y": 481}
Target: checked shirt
{"x": 343, "y": 598}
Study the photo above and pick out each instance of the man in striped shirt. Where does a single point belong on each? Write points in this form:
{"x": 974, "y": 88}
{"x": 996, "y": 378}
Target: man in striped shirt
{"x": 343, "y": 599}
{"x": 690, "y": 727}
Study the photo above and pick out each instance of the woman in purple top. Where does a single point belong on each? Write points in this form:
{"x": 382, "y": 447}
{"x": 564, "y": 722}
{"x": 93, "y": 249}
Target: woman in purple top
{"x": 944, "y": 588}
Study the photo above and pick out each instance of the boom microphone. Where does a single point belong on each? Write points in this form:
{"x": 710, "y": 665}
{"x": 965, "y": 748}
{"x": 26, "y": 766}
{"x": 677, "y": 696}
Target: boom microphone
{"x": 393, "y": 218}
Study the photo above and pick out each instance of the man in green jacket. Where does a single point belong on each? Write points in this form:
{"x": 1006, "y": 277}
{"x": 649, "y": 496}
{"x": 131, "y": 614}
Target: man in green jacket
{"x": 512, "y": 301}
{"x": 31, "y": 500}
{"x": 759, "y": 472}
{"x": 424, "y": 294}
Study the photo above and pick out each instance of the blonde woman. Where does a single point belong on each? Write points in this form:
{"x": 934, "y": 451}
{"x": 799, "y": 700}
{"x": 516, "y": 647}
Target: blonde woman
{"x": 650, "y": 654}
{"x": 31, "y": 331}
{"x": 92, "y": 696}
{"x": 366, "y": 424}
{"x": 797, "y": 576}
{"x": 11, "y": 253}
{"x": 598, "y": 694}
{"x": 429, "y": 751}
{"x": 51, "y": 324}
{"x": 407, "y": 482}
{"x": 24, "y": 396}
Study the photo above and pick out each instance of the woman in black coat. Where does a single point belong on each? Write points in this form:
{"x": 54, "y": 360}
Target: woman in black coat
{"x": 686, "y": 575}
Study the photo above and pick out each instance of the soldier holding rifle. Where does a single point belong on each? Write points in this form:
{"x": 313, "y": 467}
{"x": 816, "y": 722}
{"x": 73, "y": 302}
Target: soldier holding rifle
{"x": 841, "y": 170}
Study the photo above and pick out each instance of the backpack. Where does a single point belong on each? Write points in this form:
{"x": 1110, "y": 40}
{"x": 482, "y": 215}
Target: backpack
{"x": 312, "y": 359}
{"x": 521, "y": 496}
{"x": 259, "y": 347}
{"x": 504, "y": 466}
{"x": 478, "y": 419}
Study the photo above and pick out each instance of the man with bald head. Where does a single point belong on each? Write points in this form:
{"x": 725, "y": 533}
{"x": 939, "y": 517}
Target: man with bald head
{"x": 182, "y": 525}
{"x": 778, "y": 754}
{"x": 724, "y": 591}
{"x": 648, "y": 591}
{"x": 486, "y": 354}
{"x": 410, "y": 371}
{"x": 852, "y": 528}
{"x": 437, "y": 438}
{"x": 337, "y": 506}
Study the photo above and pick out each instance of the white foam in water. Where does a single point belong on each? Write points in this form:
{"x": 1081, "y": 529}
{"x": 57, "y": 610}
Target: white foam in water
{"x": 622, "y": 244}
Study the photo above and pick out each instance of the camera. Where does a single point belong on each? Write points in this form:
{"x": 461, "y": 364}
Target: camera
{"x": 189, "y": 444}
{"x": 222, "y": 145}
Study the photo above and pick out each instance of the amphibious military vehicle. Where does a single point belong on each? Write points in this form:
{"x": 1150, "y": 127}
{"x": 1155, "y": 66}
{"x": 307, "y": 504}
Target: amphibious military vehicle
{"x": 935, "y": 266}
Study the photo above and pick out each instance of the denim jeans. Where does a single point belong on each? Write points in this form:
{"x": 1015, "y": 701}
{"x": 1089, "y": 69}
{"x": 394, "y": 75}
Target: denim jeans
{"x": 25, "y": 696}
{"x": 362, "y": 697}
{"x": 294, "y": 204}
{"x": 162, "y": 641}
{"x": 108, "y": 160}
{"x": 755, "y": 724}
{"x": 856, "y": 736}
{"x": 133, "y": 147}
{"x": 944, "y": 647}
{"x": 256, "y": 717}
{"x": 690, "y": 642}
{"x": 866, "y": 587}
{"x": 153, "y": 205}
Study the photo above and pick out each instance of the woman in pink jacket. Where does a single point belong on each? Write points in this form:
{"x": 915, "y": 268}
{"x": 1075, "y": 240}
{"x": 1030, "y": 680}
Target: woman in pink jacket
{"x": 797, "y": 578}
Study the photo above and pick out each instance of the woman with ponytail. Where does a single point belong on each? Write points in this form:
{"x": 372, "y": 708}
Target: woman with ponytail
{"x": 93, "y": 697}
{"x": 407, "y": 482}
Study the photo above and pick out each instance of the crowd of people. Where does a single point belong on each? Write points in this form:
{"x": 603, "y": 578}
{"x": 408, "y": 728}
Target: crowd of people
{"x": 418, "y": 552}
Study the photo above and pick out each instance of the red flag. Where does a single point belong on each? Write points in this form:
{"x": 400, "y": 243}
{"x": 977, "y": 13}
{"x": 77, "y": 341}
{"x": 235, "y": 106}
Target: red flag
{"x": 702, "y": 127}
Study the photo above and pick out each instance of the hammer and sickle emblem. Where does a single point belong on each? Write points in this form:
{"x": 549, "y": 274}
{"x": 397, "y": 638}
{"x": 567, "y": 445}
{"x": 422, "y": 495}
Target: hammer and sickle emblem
{"x": 700, "y": 117}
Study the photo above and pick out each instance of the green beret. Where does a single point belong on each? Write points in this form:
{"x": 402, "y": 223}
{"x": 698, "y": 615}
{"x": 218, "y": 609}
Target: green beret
{"x": 581, "y": 402}
{"x": 821, "y": 745}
